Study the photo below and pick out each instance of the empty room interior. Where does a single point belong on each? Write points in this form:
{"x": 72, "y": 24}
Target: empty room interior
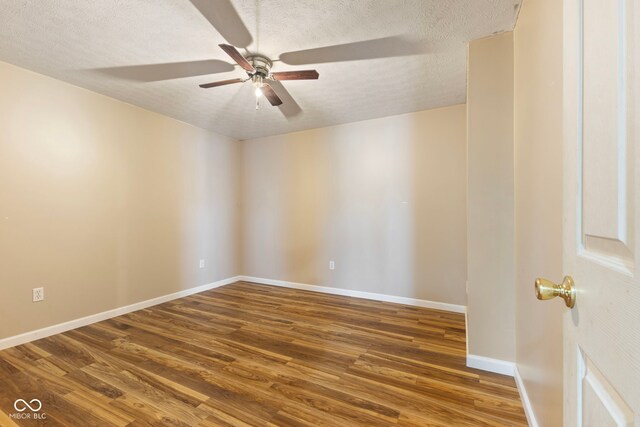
{"x": 319, "y": 213}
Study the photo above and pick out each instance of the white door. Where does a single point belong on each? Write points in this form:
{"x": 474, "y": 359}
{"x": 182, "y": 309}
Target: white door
{"x": 601, "y": 212}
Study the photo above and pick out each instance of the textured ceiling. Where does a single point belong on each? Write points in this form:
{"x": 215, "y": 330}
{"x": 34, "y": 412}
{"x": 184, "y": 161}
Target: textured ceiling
{"x": 101, "y": 45}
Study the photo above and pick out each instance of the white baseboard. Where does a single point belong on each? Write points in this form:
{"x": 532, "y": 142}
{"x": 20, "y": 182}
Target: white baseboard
{"x": 77, "y": 323}
{"x": 492, "y": 365}
{"x": 505, "y": 368}
{"x": 358, "y": 294}
{"x": 526, "y": 403}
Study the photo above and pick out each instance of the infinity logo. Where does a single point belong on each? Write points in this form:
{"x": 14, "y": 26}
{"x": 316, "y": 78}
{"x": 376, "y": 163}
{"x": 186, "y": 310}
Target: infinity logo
{"x": 24, "y": 405}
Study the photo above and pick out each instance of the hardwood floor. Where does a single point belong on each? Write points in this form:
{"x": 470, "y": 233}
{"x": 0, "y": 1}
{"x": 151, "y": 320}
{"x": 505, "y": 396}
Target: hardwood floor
{"x": 247, "y": 354}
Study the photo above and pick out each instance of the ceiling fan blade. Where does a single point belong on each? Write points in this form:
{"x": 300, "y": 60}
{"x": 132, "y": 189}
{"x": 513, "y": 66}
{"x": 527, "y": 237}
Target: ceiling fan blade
{"x": 221, "y": 83}
{"x": 168, "y": 71}
{"x": 237, "y": 56}
{"x": 270, "y": 94}
{"x": 385, "y": 47}
{"x": 224, "y": 18}
{"x": 296, "y": 75}
{"x": 289, "y": 107}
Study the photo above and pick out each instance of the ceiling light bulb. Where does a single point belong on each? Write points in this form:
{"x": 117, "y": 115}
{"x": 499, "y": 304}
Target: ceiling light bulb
{"x": 258, "y": 92}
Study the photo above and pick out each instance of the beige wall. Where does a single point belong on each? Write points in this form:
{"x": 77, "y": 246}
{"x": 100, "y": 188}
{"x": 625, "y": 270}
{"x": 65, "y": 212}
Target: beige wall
{"x": 104, "y": 204}
{"x": 538, "y": 149}
{"x": 383, "y": 198}
{"x": 491, "y": 290}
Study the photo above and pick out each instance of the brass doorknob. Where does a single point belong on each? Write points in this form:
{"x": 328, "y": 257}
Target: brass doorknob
{"x": 546, "y": 289}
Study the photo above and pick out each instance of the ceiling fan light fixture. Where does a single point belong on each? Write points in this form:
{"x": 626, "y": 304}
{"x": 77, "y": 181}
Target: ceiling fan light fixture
{"x": 257, "y": 83}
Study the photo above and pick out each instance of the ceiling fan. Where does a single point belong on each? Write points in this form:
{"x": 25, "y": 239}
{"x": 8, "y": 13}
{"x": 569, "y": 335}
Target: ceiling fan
{"x": 258, "y": 69}
{"x": 222, "y": 15}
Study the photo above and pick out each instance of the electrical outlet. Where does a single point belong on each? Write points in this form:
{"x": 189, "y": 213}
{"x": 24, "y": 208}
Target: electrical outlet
{"x": 201, "y": 263}
{"x": 332, "y": 265}
{"x": 38, "y": 294}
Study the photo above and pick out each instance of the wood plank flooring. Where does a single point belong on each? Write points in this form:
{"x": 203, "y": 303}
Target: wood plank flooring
{"x": 247, "y": 354}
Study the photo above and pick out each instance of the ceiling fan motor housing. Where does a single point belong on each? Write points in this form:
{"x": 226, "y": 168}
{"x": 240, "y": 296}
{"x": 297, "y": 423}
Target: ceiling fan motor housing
{"x": 262, "y": 64}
